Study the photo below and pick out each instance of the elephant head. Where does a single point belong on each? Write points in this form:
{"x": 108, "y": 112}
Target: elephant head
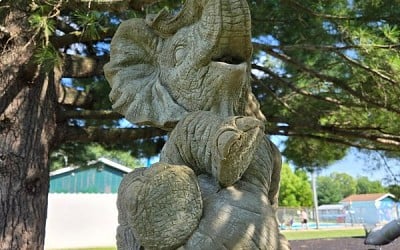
{"x": 166, "y": 66}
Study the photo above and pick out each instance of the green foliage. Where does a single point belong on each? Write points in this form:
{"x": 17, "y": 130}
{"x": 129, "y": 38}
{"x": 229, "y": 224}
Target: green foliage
{"x": 347, "y": 185}
{"x": 295, "y": 189}
{"x": 328, "y": 71}
{"x": 92, "y": 23}
{"x": 40, "y": 21}
{"x": 47, "y": 57}
{"x": 365, "y": 186}
{"x": 337, "y": 186}
{"x": 81, "y": 154}
{"x": 395, "y": 190}
{"x": 98, "y": 88}
{"x": 328, "y": 191}
{"x": 312, "y": 154}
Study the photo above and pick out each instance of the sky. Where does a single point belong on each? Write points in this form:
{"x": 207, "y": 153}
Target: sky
{"x": 355, "y": 163}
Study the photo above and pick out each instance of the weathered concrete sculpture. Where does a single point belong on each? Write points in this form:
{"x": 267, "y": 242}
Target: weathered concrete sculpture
{"x": 217, "y": 181}
{"x": 383, "y": 235}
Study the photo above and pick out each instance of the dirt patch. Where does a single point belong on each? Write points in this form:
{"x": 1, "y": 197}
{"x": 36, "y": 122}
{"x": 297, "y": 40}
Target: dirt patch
{"x": 339, "y": 244}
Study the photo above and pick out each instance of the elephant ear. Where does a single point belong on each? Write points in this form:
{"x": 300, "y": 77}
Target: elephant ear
{"x": 136, "y": 89}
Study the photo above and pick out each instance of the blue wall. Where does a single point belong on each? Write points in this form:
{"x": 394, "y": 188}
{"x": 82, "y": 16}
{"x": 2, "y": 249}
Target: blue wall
{"x": 101, "y": 179}
{"x": 371, "y": 212}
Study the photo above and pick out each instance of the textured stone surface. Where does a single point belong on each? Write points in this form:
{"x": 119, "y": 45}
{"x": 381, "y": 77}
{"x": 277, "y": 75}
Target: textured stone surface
{"x": 209, "y": 144}
{"x": 216, "y": 186}
{"x": 162, "y": 205}
{"x": 160, "y": 75}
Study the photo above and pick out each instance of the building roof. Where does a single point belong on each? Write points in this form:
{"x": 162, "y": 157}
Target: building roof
{"x": 63, "y": 170}
{"x": 331, "y": 207}
{"x": 103, "y": 160}
{"x": 367, "y": 197}
{"x": 114, "y": 164}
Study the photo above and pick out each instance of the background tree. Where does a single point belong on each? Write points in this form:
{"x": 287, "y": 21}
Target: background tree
{"x": 312, "y": 154}
{"x": 42, "y": 43}
{"x": 333, "y": 188}
{"x": 89, "y": 152}
{"x": 295, "y": 189}
{"x": 332, "y": 69}
{"x": 323, "y": 70}
{"x": 395, "y": 190}
{"x": 328, "y": 191}
{"x": 347, "y": 185}
{"x": 365, "y": 186}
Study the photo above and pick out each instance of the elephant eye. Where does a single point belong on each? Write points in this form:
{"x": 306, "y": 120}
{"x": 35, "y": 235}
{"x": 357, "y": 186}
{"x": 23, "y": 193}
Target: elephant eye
{"x": 180, "y": 54}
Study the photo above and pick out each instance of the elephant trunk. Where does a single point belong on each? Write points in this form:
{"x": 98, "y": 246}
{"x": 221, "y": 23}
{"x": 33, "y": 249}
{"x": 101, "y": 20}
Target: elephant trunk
{"x": 226, "y": 25}
{"x": 167, "y": 24}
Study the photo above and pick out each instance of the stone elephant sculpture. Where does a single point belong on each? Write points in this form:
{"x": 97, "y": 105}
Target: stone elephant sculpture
{"x": 164, "y": 67}
{"x": 217, "y": 182}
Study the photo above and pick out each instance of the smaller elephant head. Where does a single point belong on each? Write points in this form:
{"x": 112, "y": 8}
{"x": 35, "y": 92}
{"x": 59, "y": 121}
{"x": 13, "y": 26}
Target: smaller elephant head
{"x": 159, "y": 207}
{"x": 169, "y": 65}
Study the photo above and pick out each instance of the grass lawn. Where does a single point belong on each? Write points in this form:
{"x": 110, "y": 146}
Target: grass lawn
{"x": 292, "y": 235}
{"x": 89, "y": 248}
{"x": 323, "y": 233}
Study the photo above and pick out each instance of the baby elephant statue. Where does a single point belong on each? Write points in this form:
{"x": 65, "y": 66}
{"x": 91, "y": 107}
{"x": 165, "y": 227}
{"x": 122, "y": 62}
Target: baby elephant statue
{"x": 213, "y": 188}
{"x": 217, "y": 183}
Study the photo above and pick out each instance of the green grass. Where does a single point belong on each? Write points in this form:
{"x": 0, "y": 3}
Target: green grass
{"x": 323, "y": 233}
{"x": 88, "y": 248}
{"x": 290, "y": 235}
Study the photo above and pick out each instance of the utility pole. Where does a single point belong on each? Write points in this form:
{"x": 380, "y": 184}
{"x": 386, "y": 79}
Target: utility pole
{"x": 315, "y": 196}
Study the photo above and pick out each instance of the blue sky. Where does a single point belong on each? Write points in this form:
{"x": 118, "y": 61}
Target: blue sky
{"x": 355, "y": 163}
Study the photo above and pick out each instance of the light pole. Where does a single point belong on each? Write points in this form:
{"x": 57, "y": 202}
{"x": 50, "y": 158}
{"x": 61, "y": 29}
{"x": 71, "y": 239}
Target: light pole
{"x": 315, "y": 196}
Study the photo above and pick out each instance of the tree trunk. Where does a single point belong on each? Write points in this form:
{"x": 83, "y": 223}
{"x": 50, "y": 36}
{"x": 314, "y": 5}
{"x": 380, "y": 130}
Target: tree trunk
{"x": 27, "y": 126}
{"x": 24, "y": 176}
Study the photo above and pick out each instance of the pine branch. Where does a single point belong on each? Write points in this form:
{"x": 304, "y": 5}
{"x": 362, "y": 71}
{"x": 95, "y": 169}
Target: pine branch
{"x": 79, "y": 37}
{"x": 382, "y": 138}
{"x": 334, "y": 80}
{"x": 368, "y": 69}
{"x": 361, "y": 137}
{"x": 91, "y": 114}
{"x": 109, "y": 136}
{"x": 329, "y": 48}
{"x": 298, "y": 6}
{"x": 110, "y": 5}
{"x": 63, "y": 26}
{"x": 83, "y": 66}
{"x": 344, "y": 141}
{"x": 269, "y": 90}
{"x": 298, "y": 90}
{"x": 72, "y": 97}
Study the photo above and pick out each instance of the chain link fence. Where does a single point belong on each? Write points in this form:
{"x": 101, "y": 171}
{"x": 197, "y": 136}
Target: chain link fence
{"x": 329, "y": 216}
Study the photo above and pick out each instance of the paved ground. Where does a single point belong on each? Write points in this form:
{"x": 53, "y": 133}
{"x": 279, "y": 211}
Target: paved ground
{"x": 339, "y": 244}
{"x": 81, "y": 220}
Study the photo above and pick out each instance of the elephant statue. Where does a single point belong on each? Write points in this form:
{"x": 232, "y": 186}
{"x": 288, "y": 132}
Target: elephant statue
{"x": 216, "y": 185}
{"x": 165, "y": 67}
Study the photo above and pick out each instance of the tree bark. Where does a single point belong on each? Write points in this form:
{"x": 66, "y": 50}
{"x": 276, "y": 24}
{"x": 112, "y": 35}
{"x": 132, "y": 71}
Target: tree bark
{"x": 24, "y": 175}
{"x": 27, "y": 127}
